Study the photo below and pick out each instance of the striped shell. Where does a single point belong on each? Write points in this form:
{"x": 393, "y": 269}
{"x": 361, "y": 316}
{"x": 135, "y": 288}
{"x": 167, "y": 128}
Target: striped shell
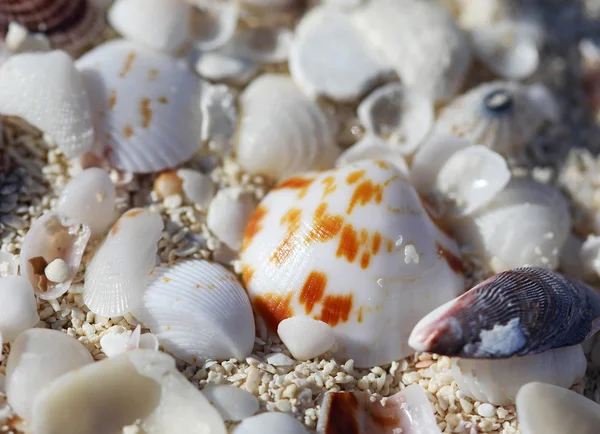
{"x": 313, "y": 249}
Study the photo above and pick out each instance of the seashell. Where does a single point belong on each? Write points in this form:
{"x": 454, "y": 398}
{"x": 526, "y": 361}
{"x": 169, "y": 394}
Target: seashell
{"x": 293, "y": 332}
{"x": 313, "y": 250}
{"x": 270, "y": 423}
{"x": 544, "y": 310}
{"x": 502, "y": 115}
{"x": 214, "y": 24}
{"x": 220, "y": 114}
{"x": 9, "y": 266}
{"x": 37, "y": 357}
{"x": 407, "y": 412}
{"x": 281, "y": 131}
{"x": 114, "y": 344}
{"x": 228, "y": 215}
{"x": 371, "y": 147}
{"x": 198, "y": 311}
{"x": 263, "y": 44}
{"x": 141, "y": 387}
{"x": 146, "y": 106}
{"x": 548, "y": 409}
{"x": 18, "y": 309}
{"x": 163, "y": 25}
{"x": 197, "y": 187}
{"x": 167, "y": 184}
{"x": 233, "y": 404}
{"x": 498, "y": 381}
{"x": 71, "y": 25}
{"x": 526, "y": 224}
{"x": 117, "y": 276}
{"x": 400, "y": 114}
{"x": 90, "y": 197}
{"x": 222, "y": 65}
{"x": 402, "y": 30}
{"x": 325, "y": 43}
{"x": 57, "y": 101}
{"x": 19, "y": 40}
{"x": 52, "y": 236}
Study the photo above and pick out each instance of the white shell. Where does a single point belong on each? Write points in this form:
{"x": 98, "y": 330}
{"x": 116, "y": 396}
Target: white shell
{"x": 398, "y": 113}
{"x": 313, "y": 249}
{"x": 18, "y": 309}
{"x": 146, "y": 106}
{"x": 420, "y": 39}
{"x": 548, "y": 409}
{"x": 497, "y": 381}
{"x": 197, "y": 187}
{"x": 53, "y": 236}
{"x": 371, "y": 147}
{"x": 330, "y": 57}
{"x": 19, "y": 40}
{"x": 502, "y": 115}
{"x": 293, "y": 332}
{"x": 228, "y": 215}
{"x": 222, "y": 65}
{"x": 90, "y": 197}
{"x": 37, "y": 357}
{"x": 270, "y": 423}
{"x": 282, "y": 131}
{"x": 220, "y": 118}
{"x": 140, "y": 386}
{"x": 118, "y": 274}
{"x": 198, "y": 310}
{"x": 163, "y": 25}
{"x": 214, "y": 24}
{"x": 233, "y": 404}
{"x": 9, "y": 265}
{"x": 526, "y": 224}
{"x": 47, "y": 91}
{"x": 114, "y": 344}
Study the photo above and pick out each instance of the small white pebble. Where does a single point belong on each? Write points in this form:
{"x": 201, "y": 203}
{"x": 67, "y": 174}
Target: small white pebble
{"x": 57, "y": 271}
{"x": 486, "y": 410}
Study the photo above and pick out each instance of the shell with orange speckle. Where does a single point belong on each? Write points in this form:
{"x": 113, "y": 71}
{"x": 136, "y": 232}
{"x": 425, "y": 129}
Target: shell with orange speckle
{"x": 354, "y": 248}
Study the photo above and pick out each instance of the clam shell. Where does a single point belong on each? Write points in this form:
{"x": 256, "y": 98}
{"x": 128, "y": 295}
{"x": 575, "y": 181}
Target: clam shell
{"x": 313, "y": 250}
{"x": 53, "y": 236}
{"x": 293, "y": 331}
{"x": 371, "y": 147}
{"x": 228, "y": 214}
{"x": 270, "y": 423}
{"x": 118, "y": 274}
{"x": 140, "y": 386}
{"x": 233, "y": 404}
{"x": 9, "y": 265}
{"x": 37, "y": 357}
{"x": 282, "y": 131}
{"x": 146, "y": 106}
{"x": 56, "y": 102}
{"x": 18, "y": 309}
{"x": 198, "y": 310}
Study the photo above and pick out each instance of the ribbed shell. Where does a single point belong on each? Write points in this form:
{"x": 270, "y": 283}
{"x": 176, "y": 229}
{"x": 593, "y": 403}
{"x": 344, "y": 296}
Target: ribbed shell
{"x": 198, "y": 310}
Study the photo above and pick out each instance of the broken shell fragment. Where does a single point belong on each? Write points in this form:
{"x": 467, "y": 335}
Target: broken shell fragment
{"x": 18, "y": 309}
{"x": 53, "y": 236}
{"x": 270, "y": 423}
{"x": 293, "y": 332}
{"x": 228, "y": 215}
{"x": 371, "y": 147}
{"x": 114, "y": 344}
{"x": 233, "y": 403}
{"x": 9, "y": 266}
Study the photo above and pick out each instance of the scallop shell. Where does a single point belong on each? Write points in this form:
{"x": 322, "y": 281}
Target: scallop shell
{"x": 117, "y": 276}
{"x": 37, "y": 357}
{"x": 293, "y": 331}
{"x": 371, "y": 147}
{"x": 403, "y": 30}
{"x": 141, "y": 387}
{"x": 233, "y": 404}
{"x": 502, "y": 115}
{"x": 18, "y": 309}
{"x": 50, "y": 237}
{"x": 146, "y": 106}
{"x": 270, "y": 423}
{"x": 198, "y": 311}
{"x": 163, "y": 25}
{"x": 9, "y": 266}
{"x": 228, "y": 214}
{"x": 282, "y": 131}
{"x": 71, "y": 25}
{"x": 56, "y": 102}
{"x": 312, "y": 249}
{"x": 519, "y": 312}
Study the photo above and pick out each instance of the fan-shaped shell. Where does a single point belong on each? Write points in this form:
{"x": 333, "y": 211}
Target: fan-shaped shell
{"x": 18, "y": 310}
{"x": 282, "y": 131}
{"x": 198, "y": 310}
{"x": 118, "y": 274}
{"x": 146, "y": 106}
{"x": 313, "y": 249}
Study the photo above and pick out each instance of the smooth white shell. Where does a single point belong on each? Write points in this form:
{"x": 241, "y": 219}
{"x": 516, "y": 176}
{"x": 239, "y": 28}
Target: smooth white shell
{"x": 371, "y": 147}
{"x": 146, "y": 106}
{"x": 9, "y": 265}
{"x": 114, "y": 344}
{"x": 233, "y": 404}
{"x": 228, "y": 215}
{"x": 293, "y": 332}
{"x": 47, "y": 91}
{"x": 118, "y": 274}
{"x": 90, "y": 197}
{"x": 18, "y": 309}
{"x": 221, "y": 65}
{"x": 270, "y": 423}
{"x": 281, "y": 131}
{"x": 197, "y": 187}
{"x": 140, "y": 385}
{"x": 37, "y": 357}
{"x": 498, "y": 381}
{"x": 198, "y": 310}
{"x": 53, "y": 236}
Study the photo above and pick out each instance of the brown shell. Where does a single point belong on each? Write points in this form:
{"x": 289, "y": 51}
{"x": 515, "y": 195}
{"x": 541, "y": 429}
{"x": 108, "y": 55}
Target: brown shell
{"x": 71, "y": 25}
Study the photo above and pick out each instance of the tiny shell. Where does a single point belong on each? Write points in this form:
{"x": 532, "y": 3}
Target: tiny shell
{"x": 9, "y": 265}
{"x": 167, "y": 184}
{"x": 197, "y": 187}
{"x": 52, "y": 236}
{"x": 214, "y": 24}
{"x": 233, "y": 404}
{"x": 118, "y": 274}
{"x": 198, "y": 310}
{"x": 37, "y": 357}
{"x": 18, "y": 309}
{"x": 293, "y": 332}
{"x": 371, "y": 147}
{"x": 115, "y": 344}
{"x": 57, "y": 102}
{"x": 228, "y": 215}
{"x": 270, "y": 423}
{"x": 221, "y": 65}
